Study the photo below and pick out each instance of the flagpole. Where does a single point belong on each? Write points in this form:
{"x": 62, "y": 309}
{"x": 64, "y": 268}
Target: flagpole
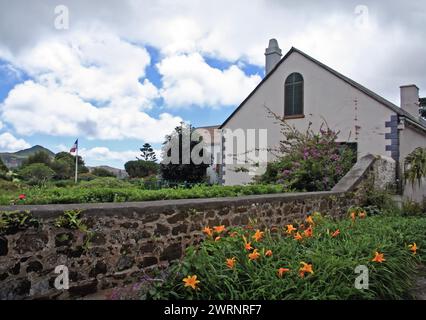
{"x": 76, "y": 163}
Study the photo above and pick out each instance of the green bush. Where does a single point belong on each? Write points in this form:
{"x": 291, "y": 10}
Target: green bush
{"x": 101, "y": 172}
{"x": 13, "y": 221}
{"x": 141, "y": 168}
{"x": 36, "y": 173}
{"x": 311, "y": 161}
{"x": 333, "y": 260}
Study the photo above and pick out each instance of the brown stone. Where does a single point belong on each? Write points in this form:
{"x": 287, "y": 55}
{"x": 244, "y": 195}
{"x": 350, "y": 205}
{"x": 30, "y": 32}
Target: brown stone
{"x": 178, "y": 217}
{"x": 31, "y": 242}
{"x": 99, "y": 268}
{"x": 34, "y": 266}
{"x": 84, "y": 288}
{"x": 151, "y": 218}
{"x": 172, "y": 252}
{"x": 3, "y": 246}
{"x": 148, "y": 261}
{"x": 125, "y": 262}
{"x": 179, "y": 229}
{"x": 147, "y": 247}
{"x": 162, "y": 229}
{"x": 97, "y": 239}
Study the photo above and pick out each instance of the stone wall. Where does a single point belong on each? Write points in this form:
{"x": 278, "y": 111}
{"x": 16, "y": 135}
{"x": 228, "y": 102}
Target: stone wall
{"x": 128, "y": 239}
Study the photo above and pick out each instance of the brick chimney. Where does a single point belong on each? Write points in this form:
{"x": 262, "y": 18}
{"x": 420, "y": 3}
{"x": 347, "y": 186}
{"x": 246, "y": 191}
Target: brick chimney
{"x": 272, "y": 55}
{"x": 410, "y": 99}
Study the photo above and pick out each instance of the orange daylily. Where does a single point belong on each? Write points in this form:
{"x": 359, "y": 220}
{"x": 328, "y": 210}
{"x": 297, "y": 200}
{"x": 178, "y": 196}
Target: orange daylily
{"x": 233, "y": 234}
{"x": 191, "y": 281}
{"x": 362, "y": 214}
{"x": 268, "y": 253}
{"x": 254, "y": 255}
{"x": 353, "y": 215}
{"x": 258, "y": 235}
{"x": 379, "y": 257}
{"x": 217, "y": 238}
{"x": 219, "y": 229}
{"x": 309, "y": 220}
{"x": 413, "y": 248}
{"x": 281, "y": 271}
{"x": 335, "y": 233}
{"x": 306, "y": 267}
{"x": 230, "y": 263}
{"x": 290, "y": 228}
{"x": 298, "y": 236}
{"x": 248, "y": 246}
{"x": 208, "y": 231}
{"x": 308, "y": 232}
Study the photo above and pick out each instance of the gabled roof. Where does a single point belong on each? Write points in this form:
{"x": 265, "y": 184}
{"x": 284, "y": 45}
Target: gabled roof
{"x": 416, "y": 121}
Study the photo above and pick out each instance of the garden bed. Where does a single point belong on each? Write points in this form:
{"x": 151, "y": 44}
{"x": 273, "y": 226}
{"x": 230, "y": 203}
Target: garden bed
{"x": 320, "y": 264}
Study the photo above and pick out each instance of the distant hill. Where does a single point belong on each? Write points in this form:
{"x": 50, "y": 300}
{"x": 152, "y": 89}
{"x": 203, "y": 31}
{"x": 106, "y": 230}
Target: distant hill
{"x": 119, "y": 173}
{"x": 14, "y": 159}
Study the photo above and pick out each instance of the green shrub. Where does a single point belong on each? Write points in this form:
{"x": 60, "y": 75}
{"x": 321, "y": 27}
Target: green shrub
{"x": 13, "y": 221}
{"x": 101, "y": 172}
{"x": 36, "y": 173}
{"x": 333, "y": 260}
{"x": 141, "y": 168}
{"x": 411, "y": 208}
{"x": 311, "y": 161}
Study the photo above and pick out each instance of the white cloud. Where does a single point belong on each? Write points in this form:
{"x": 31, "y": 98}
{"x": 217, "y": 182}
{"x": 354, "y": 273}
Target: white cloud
{"x": 33, "y": 108}
{"x": 9, "y": 143}
{"x": 189, "y": 80}
{"x": 97, "y": 66}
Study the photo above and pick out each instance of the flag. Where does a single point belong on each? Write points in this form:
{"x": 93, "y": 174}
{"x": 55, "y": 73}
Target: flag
{"x": 74, "y": 147}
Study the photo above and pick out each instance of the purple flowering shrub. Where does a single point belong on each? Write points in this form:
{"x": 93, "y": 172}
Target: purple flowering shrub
{"x": 311, "y": 161}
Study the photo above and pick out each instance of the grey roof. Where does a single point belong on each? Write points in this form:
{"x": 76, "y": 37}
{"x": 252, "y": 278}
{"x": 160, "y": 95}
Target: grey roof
{"x": 416, "y": 121}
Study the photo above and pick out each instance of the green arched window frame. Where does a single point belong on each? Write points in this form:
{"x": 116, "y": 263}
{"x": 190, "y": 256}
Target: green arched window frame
{"x": 293, "y": 95}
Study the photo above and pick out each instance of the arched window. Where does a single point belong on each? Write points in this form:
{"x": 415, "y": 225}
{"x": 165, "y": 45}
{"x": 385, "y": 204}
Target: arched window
{"x": 293, "y": 95}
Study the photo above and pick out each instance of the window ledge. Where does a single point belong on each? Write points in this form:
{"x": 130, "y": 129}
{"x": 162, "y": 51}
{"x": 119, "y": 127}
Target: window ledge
{"x": 294, "y": 116}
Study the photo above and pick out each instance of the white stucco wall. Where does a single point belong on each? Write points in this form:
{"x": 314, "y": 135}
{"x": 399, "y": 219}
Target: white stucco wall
{"x": 411, "y": 138}
{"x": 325, "y": 97}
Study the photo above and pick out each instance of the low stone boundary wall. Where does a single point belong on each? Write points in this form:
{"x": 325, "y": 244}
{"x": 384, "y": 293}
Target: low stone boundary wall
{"x": 127, "y": 239}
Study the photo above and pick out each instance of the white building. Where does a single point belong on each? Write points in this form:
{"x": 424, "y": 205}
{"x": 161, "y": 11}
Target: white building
{"x": 303, "y": 90}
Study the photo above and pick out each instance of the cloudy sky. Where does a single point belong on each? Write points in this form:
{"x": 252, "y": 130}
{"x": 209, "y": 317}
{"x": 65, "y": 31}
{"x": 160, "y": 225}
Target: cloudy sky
{"x": 126, "y": 72}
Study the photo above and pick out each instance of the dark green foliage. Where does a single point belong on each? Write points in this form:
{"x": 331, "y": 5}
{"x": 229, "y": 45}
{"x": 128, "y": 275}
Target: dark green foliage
{"x": 3, "y": 166}
{"x": 70, "y": 159}
{"x": 415, "y": 166}
{"x": 179, "y": 171}
{"x": 71, "y": 220}
{"x": 36, "y": 173}
{"x": 422, "y": 107}
{"x": 13, "y": 221}
{"x": 63, "y": 169}
{"x": 141, "y": 168}
{"x": 38, "y": 157}
{"x": 101, "y": 172}
{"x": 148, "y": 153}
